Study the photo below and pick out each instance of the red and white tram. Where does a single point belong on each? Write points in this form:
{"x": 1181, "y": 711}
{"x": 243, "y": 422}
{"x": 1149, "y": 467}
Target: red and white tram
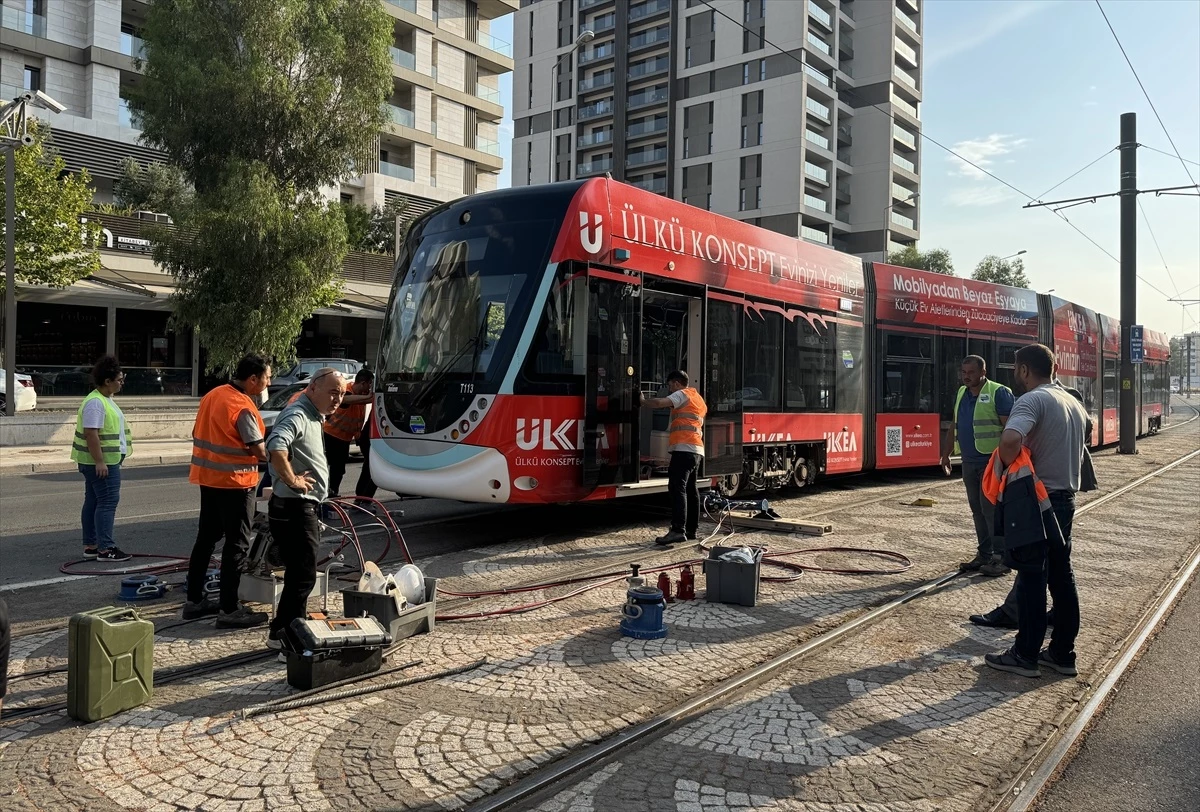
{"x": 523, "y": 323}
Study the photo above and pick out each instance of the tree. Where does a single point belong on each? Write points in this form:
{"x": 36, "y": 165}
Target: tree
{"x": 358, "y": 225}
{"x": 260, "y": 105}
{"x": 374, "y": 229}
{"x": 936, "y": 261}
{"x": 1001, "y": 271}
{"x": 160, "y": 188}
{"x": 52, "y": 247}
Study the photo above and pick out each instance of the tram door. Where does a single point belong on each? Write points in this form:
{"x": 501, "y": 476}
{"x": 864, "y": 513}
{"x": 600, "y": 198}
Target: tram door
{"x": 610, "y": 424}
{"x": 722, "y": 390}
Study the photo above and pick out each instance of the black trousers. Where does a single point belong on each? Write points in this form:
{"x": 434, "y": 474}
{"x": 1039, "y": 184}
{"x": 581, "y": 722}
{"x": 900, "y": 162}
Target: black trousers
{"x": 685, "y": 496}
{"x": 225, "y": 513}
{"x": 5, "y": 641}
{"x": 296, "y": 529}
{"x": 366, "y": 485}
{"x": 337, "y": 453}
{"x": 1040, "y": 565}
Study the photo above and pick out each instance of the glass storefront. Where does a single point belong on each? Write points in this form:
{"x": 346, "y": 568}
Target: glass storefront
{"x": 58, "y": 344}
{"x": 156, "y": 359}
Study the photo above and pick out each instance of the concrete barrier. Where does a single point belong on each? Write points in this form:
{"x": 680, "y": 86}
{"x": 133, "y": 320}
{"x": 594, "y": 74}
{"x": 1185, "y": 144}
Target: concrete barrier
{"x": 58, "y": 428}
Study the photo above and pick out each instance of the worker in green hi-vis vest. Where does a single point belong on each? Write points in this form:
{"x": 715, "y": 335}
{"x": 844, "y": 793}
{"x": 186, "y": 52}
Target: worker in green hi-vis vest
{"x": 102, "y": 442}
{"x": 980, "y": 411}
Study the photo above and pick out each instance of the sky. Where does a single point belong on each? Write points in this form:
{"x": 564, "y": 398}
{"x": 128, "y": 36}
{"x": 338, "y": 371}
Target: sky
{"x": 1033, "y": 91}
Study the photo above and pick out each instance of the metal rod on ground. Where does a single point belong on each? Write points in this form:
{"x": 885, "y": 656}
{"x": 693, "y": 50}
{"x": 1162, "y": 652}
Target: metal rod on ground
{"x": 338, "y": 684}
{"x": 353, "y": 692}
{"x": 1128, "y": 407}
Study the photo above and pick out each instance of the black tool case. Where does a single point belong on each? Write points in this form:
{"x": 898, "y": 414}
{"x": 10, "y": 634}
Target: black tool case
{"x": 326, "y": 650}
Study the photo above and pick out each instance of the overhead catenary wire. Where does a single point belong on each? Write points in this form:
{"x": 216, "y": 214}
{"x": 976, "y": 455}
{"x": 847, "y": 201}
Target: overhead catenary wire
{"x": 1166, "y": 267}
{"x": 1153, "y": 109}
{"x": 1168, "y": 154}
{"x": 921, "y": 134}
{"x": 1080, "y": 172}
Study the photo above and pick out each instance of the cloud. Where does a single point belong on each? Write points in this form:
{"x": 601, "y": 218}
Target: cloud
{"x": 982, "y": 31}
{"x": 980, "y": 196}
{"x": 982, "y": 152}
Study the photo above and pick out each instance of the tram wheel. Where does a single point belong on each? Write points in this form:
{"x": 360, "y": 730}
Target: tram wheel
{"x": 729, "y": 485}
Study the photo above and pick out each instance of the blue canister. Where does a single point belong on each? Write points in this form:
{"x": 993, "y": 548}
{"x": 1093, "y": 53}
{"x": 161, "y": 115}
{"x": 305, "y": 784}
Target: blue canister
{"x": 643, "y": 613}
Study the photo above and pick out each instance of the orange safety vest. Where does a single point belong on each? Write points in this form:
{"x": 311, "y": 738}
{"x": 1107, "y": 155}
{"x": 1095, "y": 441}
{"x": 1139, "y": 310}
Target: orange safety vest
{"x": 346, "y": 422}
{"x": 220, "y": 458}
{"x": 996, "y": 477}
{"x": 687, "y": 423}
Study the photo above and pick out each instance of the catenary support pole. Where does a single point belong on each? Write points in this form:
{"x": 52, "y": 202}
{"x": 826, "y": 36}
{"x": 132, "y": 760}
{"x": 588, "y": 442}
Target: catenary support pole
{"x": 10, "y": 281}
{"x": 1128, "y": 406}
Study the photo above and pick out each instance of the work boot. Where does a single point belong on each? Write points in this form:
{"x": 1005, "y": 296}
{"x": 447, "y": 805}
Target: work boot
{"x": 241, "y": 618}
{"x": 975, "y": 563}
{"x": 672, "y": 537}
{"x": 994, "y": 568}
{"x": 995, "y": 619}
{"x": 202, "y": 608}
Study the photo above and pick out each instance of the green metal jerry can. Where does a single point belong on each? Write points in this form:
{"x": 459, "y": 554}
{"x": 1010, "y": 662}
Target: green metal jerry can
{"x": 110, "y": 663}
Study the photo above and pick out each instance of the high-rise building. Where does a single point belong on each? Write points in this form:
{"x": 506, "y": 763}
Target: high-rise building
{"x": 441, "y": 143}
{"x": 801, "y": 116}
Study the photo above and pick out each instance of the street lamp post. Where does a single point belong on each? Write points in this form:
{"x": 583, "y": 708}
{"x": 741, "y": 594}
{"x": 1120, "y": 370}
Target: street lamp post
{"x": 1010, "y": 256}
{"x": 14, "y": 134}
{"x": 585, "y": 36}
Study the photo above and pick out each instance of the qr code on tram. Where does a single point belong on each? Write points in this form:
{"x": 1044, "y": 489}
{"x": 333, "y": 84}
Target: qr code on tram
{"x": 893, "y": 441}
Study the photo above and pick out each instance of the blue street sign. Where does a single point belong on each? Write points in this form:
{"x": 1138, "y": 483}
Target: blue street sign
{"x": 1136, "y": 351}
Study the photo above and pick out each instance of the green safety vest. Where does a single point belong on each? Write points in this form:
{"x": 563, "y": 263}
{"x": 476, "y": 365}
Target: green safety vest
{"x": 985, "y": 423}
{"x": 110, "y": 435}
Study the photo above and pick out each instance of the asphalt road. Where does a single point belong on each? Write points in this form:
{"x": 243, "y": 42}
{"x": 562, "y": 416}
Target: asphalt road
{"x": 1143, "y": 754}
{"x": 39, "y": 532}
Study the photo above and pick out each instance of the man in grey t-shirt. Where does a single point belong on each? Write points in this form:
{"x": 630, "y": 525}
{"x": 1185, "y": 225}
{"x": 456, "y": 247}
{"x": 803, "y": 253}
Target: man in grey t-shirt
{"x": 1048, "y": 421}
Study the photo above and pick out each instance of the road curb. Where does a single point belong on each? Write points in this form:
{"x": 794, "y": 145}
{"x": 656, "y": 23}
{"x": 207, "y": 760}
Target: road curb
{"x": 59, "y": 466}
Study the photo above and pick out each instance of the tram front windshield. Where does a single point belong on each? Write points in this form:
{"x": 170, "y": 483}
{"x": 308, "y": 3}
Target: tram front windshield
{"x": 461, "y": 302}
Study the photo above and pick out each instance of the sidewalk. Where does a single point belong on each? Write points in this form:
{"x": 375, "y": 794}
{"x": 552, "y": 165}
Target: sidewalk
{"x": 42, "y": 459}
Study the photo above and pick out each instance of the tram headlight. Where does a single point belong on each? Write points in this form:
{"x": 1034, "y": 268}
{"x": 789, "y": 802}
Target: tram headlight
{"x": 474, "y": 415}
{"x": 464, "y": 427}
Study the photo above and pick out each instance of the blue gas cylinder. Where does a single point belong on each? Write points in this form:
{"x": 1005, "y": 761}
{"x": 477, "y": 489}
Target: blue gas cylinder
{"x": 643, "y": 613}
{"x": 141, "y": 588}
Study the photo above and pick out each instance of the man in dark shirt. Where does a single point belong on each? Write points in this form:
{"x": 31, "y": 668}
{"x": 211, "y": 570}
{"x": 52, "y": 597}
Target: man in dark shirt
{"x": 982, "y": 409}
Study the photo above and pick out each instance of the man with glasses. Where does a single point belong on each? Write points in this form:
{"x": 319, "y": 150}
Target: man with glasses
{"x": 300, "y": 474}
{"x": 227, "y": 445}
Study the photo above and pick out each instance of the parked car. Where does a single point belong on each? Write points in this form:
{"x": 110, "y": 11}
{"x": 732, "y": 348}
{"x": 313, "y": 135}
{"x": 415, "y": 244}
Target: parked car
{"x": 26, "y": 396}
{"x": 305, "y": 367}
{"x": 277, "y": 402}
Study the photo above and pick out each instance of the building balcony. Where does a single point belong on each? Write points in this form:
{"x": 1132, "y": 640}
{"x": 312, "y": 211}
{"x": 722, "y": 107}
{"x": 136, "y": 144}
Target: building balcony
{"x": 647, "y": 98}
{"x": 595, "y": 139}
{"x": 814, "y": 235}
{"x": 656, "y": 185}
{"x": 904, "y": 138}
{"x": 404, "y": 59}
{"x": 814, "y": 202}
{"x": 907, "y": 22}
{"x": 494, "y": 44}
{"x": 487, "y": 93}
{"x": 408, "y": 5}
{"x": 911, "y": 5}
{"x": 820, "y": 77}
{"x": 398, "y": 115}
{"x": 817, "y": 109}
{"x": 845, "y": 46}
{"x": 643, "y": 11}
{"x": 488, "y": 145}
{"x": 648, "y": 38}
{"x": 844, "y": 136}
{"x": 132, "y": 46}
{"x": 820, "y": 44}
{"x": 903, "y": 196}
{"x": 904, "y": 163}
{"x": 655, "y": 156}
{"x": 817, "y": 139}
{"x": 902, "y": 221}
{"x": 650, "y": 67}
{"x": 17, "y": 20}
{"x": 905, "y": 76}
{"x": 597, "y": 82}
{"x": 905, "y": 53}
{"x": 396, "y": 171}
{"x": 820, "y": 15}
{"x": 817, "y": 173}
{"x": 604, "y": 108}
{"x": 126, "y": 117}
{"x": 906, "y": 107}
{"x": 594, "y": 167}
{"x": 586, "y": 4}
{"x": 603, "y": 24}
{"x": 605, "y": 51}
{"x": 643, "y": 128}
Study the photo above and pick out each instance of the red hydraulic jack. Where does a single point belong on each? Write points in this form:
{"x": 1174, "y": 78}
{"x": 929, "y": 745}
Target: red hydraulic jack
{"x": 664, "y": 586}
{"x": 687, "y": 584}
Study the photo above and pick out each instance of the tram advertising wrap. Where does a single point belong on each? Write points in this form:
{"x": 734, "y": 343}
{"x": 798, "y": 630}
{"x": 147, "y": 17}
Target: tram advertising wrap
{"x": 1076, "y": 348}
{"x": 908, "y": 296}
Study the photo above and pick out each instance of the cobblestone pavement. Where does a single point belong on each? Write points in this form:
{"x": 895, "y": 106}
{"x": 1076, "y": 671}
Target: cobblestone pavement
{"x": 900, "y": 717}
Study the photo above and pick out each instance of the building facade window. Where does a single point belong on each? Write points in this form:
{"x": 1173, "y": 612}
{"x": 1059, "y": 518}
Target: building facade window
{"x": 33, "y": 78}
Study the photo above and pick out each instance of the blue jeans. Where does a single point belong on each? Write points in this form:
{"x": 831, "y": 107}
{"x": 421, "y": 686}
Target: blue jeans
{"x": 100, "y": 498}
{"x": 1041, "y": 565}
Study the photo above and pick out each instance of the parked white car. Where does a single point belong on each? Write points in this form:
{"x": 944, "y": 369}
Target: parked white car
{"x": 26, "y": 394}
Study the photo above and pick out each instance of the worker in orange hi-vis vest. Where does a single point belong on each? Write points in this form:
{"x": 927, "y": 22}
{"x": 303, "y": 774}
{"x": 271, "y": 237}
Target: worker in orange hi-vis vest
{"x": 344, "y": 426}
{"x": 228, "y": 442}
{"x": 687, "y": 453}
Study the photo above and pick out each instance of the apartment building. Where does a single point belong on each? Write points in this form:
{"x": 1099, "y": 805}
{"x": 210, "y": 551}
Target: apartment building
{"x": 801, "y": 116}
{"x": 441, "y": 143}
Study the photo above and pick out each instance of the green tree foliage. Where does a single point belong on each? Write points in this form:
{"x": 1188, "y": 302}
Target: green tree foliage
{"x": 1002, "y": 271}
{"x": 358, "y": 225}
{"x": 160, "y": 188}
{"x": 52, "y": 247}
{"x": 374, "y": 229}
{"x": 248, "y": 224}
{"x": 936, "y": 261}
{"x": 260, "y": 104}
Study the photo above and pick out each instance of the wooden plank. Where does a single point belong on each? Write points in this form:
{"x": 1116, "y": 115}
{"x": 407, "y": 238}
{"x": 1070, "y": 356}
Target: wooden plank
{"x": 758, "y": 521}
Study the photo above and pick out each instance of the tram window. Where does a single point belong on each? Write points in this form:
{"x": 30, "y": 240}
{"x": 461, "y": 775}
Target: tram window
{"x": 908, "y": 374}
{"x": 809, "y": 366}
{"x": 954, "y": 350}
{"x": 558, "y": 353}
{"x": 1110, "y": 383}
{"x": 1005, "y": 369}
{"x": 849, "y": 364}
{"x": 764, "y": 360}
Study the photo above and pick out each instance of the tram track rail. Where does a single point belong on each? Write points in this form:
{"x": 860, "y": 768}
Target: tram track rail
{"x": 559, "y": 775}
